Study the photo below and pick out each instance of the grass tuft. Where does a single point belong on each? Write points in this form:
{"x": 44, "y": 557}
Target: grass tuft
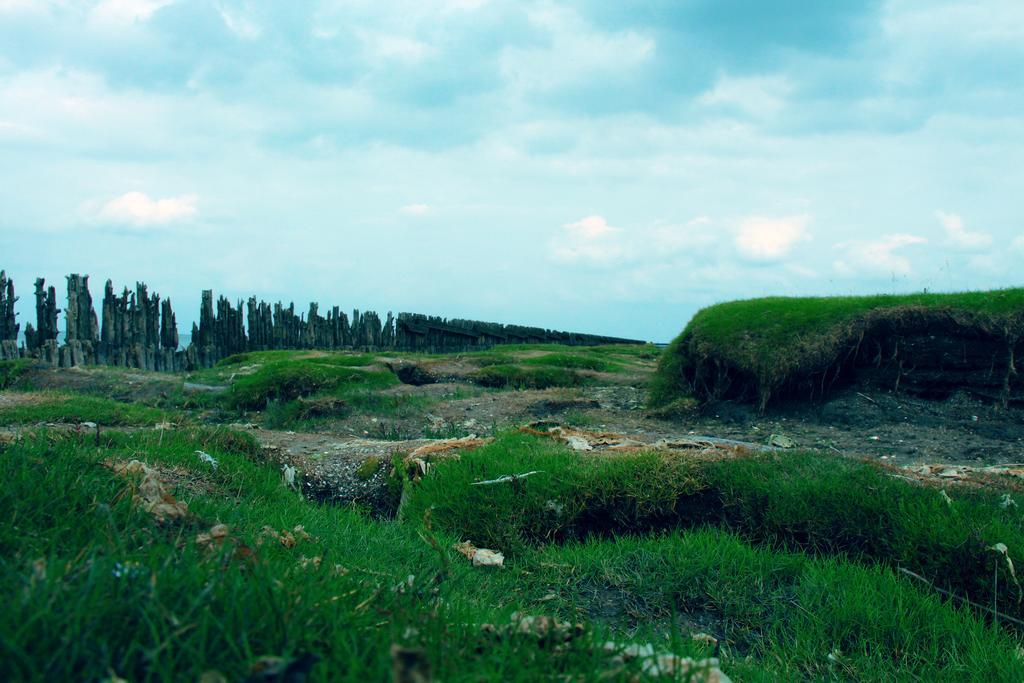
{"x": 13, "y": 370}
{"x": 515, "y": 377}
{"x": 70, "y": 408}
{"x": 289, "y": 380}
{"x": 574, "y": 361}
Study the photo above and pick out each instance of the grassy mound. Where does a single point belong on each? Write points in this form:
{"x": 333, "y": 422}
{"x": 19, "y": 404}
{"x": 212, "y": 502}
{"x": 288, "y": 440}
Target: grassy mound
{"x": 800, "y": 501}
{"x": 763, "y": 349}
{"x": 536, "y": 377}
{"x": 291, "y": 379}
{"x": 12, "y": 370}
{"x": 579, "y": 361}
{"x": 70, "y": 408}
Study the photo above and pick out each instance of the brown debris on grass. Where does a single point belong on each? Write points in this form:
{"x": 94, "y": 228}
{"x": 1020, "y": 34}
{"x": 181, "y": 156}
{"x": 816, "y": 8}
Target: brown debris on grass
{"x": 288, "y": 539}
{"x": 586, "y": 440}
{"x": 418, "y": 462}
{"x": 443, "y": 446}
{"x": 149, "y": 491}
{"x": 480, "y": 557}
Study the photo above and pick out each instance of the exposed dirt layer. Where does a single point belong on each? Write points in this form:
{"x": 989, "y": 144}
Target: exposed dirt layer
{"x": 924, "y": 352}
{"x": 896, "y": 427}
{"x": 11, "y": 399}
{"x": 118, "y": 383}
{"x": 336, "y": 467}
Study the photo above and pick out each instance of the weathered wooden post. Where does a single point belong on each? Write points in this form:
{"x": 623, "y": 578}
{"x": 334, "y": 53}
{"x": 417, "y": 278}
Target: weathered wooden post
{"x": 8, "y": 327}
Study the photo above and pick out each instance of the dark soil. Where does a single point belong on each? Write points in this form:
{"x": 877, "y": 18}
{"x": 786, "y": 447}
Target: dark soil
{"x": 898, "y": 427}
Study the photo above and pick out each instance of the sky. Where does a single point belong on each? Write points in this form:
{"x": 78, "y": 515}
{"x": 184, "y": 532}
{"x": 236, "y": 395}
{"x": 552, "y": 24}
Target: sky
{"x": 603, "y": 167}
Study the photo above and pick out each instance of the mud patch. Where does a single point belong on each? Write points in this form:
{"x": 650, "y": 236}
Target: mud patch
{"x": 556, "y": 406}
{"x": 11, "y": 399}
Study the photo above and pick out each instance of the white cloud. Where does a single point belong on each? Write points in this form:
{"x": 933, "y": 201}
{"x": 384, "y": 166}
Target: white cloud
{"x": 576, "y": 52}
{"x": 877, "y": 256}
{"x": 126, "y": 11}
{"x": 959, "y": 237}
{"x": 462, "y": 5}
{"x": 239, "y": 24}
{"x": 388, "y": 46}
{"x": 1018, "y": 243}
{"x": 770, "y": 239}
{"x": 593, "y": 241}
{"x": 589, "y": 240}
{"x": 16, "y": 5}
{"x": 136, "y": 208}
{"x": 590, "y": 228}
{"x": 761, "y": 96}
{"x": 416, "y": 209}
{"x": 694, "y": 234}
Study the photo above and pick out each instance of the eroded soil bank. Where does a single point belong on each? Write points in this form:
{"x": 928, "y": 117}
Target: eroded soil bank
{"x": 923, "y": 351}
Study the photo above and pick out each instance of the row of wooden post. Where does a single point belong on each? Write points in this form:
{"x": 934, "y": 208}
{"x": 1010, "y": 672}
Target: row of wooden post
{"x": 139, "y": 330}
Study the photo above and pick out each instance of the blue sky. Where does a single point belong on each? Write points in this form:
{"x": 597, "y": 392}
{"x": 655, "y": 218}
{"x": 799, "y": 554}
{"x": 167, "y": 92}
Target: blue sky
{"x": 606, "y": 167}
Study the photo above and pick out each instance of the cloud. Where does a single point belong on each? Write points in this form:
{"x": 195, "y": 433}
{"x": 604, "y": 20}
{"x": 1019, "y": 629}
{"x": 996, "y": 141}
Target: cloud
{"x": 693, "y": 235}
{"x": 588, "y": 240}
{"x": 590, "y": 228}
{"x": 385, "y": 46}
{"x": 15, "y": 5}
{"x": 757, "y": 96}
{"x": 126, "y": 11}
{"x": 136, "y": 208}
{"x": 770, "y": 239}
{"x": 240, "y": 25}
{"x": 1018, "y": 243}
{"x": 958, "y": 236}
{"x": 876, "y": 256}
{"x": 417, "y": 209}
{"x": 593, "y": 241}
{"x": 573, "y": 57}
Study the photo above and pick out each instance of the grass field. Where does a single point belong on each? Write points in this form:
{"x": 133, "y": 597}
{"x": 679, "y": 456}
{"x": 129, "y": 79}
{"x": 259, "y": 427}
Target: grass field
{"x": 762, "y": 344}
{"x": 802, "y": 565}
{"x": 297, "y": 580}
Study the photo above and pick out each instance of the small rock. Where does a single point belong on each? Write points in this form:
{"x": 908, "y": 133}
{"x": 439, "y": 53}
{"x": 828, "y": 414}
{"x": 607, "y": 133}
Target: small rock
{"x": 578, "y": 443}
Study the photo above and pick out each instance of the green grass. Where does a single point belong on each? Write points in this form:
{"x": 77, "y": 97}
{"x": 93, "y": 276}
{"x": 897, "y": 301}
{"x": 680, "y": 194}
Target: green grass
{"x": 505, "y": 354}
{"x": 75, "y": 408}
{"x": 228, "y": 368}
{"x": 92, "y": 587}
{"x": 800, "y": 501}
{"x": 340, "y": 403}
{"x": 574, "y": 361}
{"x": 765, "y": 342}
{"x": 13, "y": 370}
{"x": 342, "y": 358}
{"x": 577, "y": 418}
{"x": 516, "y": 377}
{"x": 292, "y": 379}
{"x": 778, "y": 615}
